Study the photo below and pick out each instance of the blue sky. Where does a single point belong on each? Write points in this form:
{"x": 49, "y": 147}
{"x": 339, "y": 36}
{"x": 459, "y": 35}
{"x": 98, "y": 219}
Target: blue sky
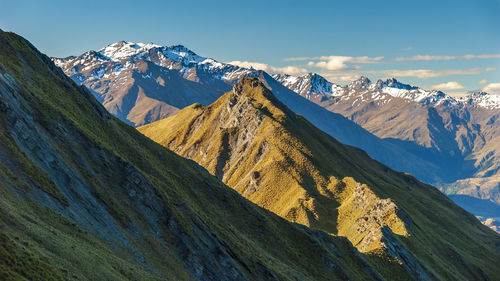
{"x": 426, "y": 43}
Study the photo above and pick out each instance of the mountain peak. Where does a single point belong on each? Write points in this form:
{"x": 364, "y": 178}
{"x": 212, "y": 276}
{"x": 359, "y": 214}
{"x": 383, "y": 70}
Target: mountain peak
{"x": 122, "y": 49}
{"x": 181, "y": 48}
{"x": 478, "y": 93}
{"x": 483, "y": 99}
{"x": 360, "y": 83}
{"x": 308, "y": 84}
{"x": 393, "y": 83}
{"x": 244, "y": 84}
{"x": 254, "y": 89}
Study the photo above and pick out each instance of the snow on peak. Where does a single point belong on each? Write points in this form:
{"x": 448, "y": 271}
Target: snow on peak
{"x": 360, "y": 83}
{"x": 393, "y": 83}
{"x": 319, "y": 85}
{"x": 482, "y": 99}
{"x": 182, "y": 49}
{"x": 308, "y": 84}
{"x": 181, "y": 53}
{"x": 124, "y": 49}
{"x": 110, "y": 61}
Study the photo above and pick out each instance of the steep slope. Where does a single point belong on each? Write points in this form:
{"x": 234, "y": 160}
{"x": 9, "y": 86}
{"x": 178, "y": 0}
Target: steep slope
{"x": 84, "y": 196}
{"x": 280, "y": 161}
{"x": 459, "y": 136}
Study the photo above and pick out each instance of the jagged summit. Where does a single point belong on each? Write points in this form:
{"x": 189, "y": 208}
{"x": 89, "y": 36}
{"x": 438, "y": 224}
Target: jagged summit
{"x": 182, "y": 48}
{"x": 362, "y": 89}
{"x": 122, "y": 49}
{"x": 308, "y": 84}
{"x": 482, "y": 99}
{"x": 361, "y": 83}
{"x": 393, "y": 83}
{"x": 382, "y": 91}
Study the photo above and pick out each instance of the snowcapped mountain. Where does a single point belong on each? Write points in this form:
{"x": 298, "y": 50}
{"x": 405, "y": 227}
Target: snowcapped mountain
{"x": 308, "y": 84}
{"x": 312, "y": 84}
{"x": 481, "y": 99}
{"x": 123, "y": 54}
{"x": 141, "y": 83}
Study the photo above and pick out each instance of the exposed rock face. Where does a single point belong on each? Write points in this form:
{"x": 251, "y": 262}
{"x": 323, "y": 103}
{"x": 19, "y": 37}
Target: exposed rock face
{"x": 278, "y": 160}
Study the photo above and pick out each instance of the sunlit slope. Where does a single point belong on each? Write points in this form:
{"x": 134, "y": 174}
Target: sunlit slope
{"x": 283, "y": 163}
{"x": 85, "y": 197}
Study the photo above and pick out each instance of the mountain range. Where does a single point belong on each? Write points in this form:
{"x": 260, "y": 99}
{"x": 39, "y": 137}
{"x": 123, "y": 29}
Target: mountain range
{"x": 84, "y": 196}
{"x": 449, "y": 142}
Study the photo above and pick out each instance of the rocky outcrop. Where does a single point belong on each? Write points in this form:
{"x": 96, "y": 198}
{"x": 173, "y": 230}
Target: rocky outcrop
{"x": 373, "y": 214}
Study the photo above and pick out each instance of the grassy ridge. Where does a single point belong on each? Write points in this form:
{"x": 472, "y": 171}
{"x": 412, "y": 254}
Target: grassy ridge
{"x": 283, "y": 163}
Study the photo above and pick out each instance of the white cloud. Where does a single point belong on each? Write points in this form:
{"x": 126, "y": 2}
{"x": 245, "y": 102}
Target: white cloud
{"x": 482, "y": 81}
{"x": 452, "y": 85}
{"x": 332, "y": 64}
{"x": 298, "y": 59}
{"x": 340, "y": 62}
{"x": 291, "y": 69}
{"x": 492, "y": 88}
{"x": 428, "y": 73}
{"x": 429, "y": 57}
{"x": 362, "y": 59}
